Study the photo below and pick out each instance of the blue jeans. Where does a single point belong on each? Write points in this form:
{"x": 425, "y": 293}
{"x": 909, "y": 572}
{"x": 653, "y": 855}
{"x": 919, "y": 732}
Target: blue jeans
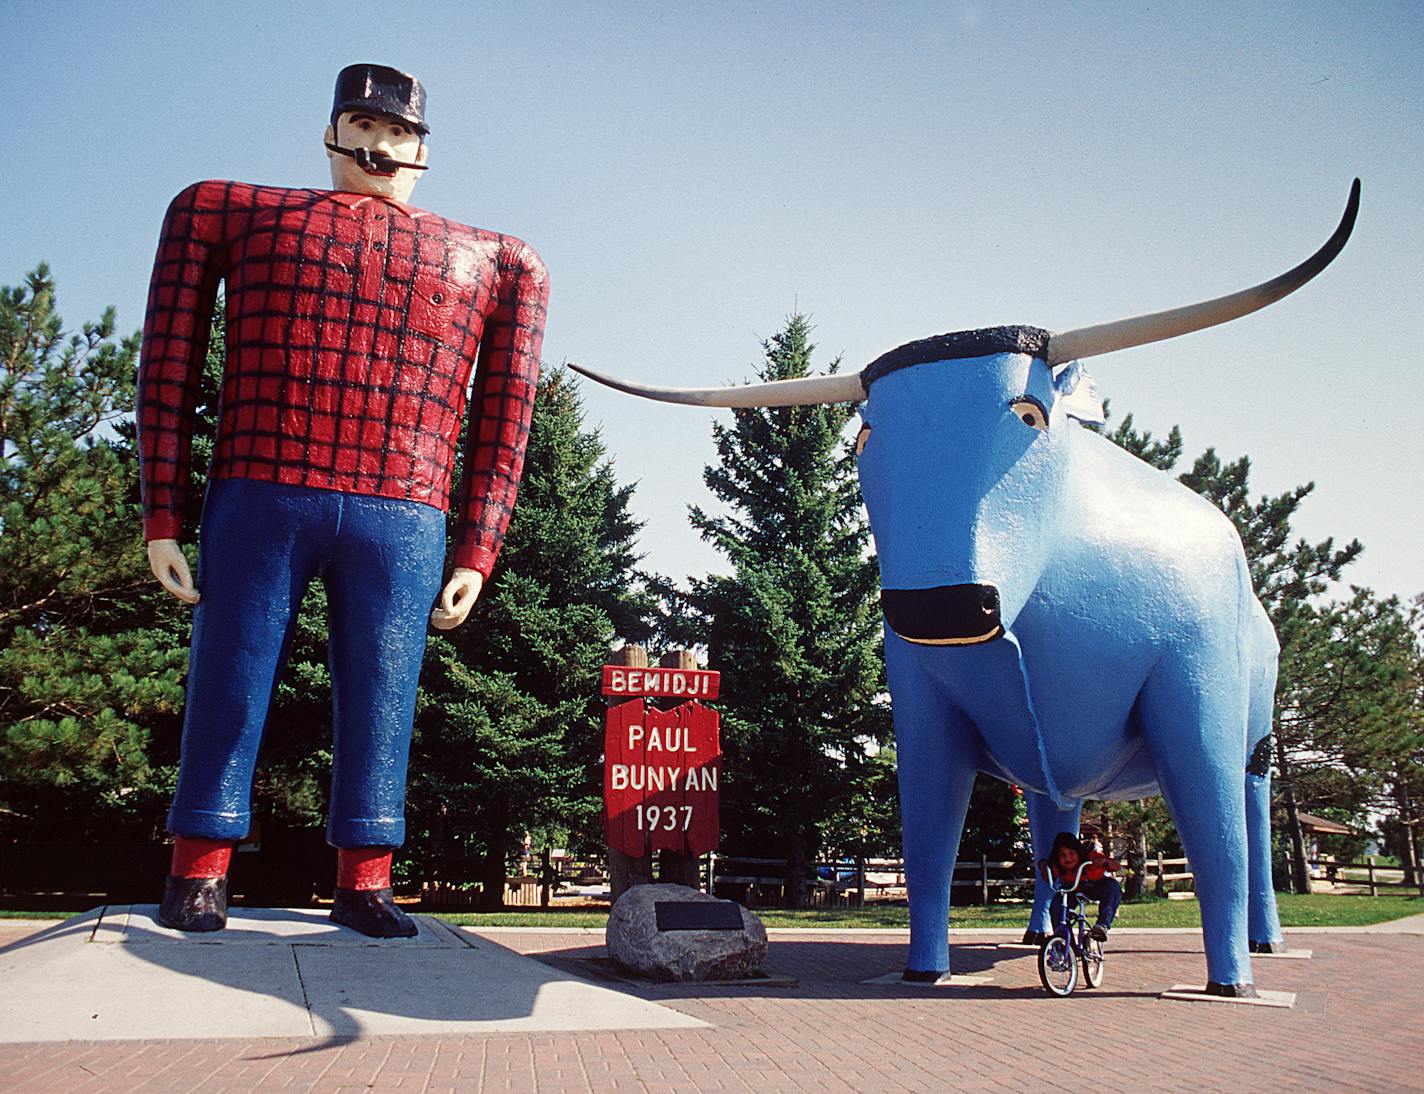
{"x": 262, "y": 543}
{"x": 1105, "y": 890}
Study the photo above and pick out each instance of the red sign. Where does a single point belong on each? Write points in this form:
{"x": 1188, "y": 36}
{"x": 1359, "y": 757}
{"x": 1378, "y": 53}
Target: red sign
{"x": 661, "y": 770}
{"x": 669, "y": 683}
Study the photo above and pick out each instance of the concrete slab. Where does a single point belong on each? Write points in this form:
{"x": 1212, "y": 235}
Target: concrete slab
{"x": 1190, "y": 993}
{"x": 62, "y": 987}
{"x": 115, "y": 974}
{"x": 1297, "y": 955}
{"x": 267, "y": 927}
{"x": 953, "y": 980}
{"x": 478, "y": 988}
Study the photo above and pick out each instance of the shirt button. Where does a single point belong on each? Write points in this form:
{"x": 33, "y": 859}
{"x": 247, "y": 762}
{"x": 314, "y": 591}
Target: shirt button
{"x": 437, "y": 297}
{"x": 379, "y": 245}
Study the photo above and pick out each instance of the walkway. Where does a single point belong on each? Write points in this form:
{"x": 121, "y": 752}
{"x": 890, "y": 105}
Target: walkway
{"x": 1357, "y": 1025}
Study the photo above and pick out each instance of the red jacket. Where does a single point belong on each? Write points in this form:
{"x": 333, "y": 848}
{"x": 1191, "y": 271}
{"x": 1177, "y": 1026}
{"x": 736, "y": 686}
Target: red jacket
{"x": 1096, "y": 869}
{"x": 353, "y": 325}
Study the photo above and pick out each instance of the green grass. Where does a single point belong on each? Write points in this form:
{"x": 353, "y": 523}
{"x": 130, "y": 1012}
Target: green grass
{"x": 1315, "y": 910}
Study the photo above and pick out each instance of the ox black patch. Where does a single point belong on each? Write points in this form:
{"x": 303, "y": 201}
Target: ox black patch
{"x": 1260, "y": 762}
{"x": 946, "y": 614}
{"x": 958, "y": 344}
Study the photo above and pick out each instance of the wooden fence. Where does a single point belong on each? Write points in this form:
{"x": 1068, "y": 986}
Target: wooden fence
{"x": 851, "y": 882}
{"x": 1375, "y": 877}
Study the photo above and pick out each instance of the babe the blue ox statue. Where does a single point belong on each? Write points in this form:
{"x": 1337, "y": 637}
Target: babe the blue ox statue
{"x": 1058, "y": 613}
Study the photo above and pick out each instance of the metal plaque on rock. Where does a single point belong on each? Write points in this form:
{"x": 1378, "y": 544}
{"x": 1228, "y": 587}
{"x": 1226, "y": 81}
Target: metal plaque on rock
{"x": 698, "y": 915}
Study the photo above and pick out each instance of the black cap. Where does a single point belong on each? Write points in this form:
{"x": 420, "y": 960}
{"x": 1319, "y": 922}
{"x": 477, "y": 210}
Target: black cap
{"x": 380, "y": 90}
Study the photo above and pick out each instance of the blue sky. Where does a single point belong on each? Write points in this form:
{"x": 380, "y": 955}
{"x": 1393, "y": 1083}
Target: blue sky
{"x": 693, "y": 175}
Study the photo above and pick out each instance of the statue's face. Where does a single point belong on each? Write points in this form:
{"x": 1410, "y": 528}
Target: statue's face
{"x": 379, "y": 133}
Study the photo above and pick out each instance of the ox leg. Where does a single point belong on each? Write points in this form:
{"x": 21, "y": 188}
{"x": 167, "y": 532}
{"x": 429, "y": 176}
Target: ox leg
{"x": 1192, "y": 717}
{"x": 935, "y": 766}
{"x": 1045, "y": 821}
{"x": 1264, "y": 924}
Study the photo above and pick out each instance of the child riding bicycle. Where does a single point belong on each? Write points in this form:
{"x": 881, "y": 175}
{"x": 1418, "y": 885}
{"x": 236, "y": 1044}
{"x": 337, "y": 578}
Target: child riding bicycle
{"x": 1063, "y": 862}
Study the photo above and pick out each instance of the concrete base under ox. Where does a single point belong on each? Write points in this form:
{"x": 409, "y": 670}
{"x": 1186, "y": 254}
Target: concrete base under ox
{"x": 116, "y": 974}
{"x": 1192, "y": 993}
{"x": 948, "y": 980}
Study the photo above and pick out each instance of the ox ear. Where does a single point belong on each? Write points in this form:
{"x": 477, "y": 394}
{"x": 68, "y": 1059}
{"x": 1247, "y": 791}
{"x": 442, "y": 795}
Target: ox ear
{"x": 1078, "y": 395}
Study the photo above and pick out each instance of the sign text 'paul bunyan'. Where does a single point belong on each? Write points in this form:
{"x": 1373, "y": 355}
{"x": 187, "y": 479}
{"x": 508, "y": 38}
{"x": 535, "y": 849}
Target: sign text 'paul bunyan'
{"x": 661, "y": 774}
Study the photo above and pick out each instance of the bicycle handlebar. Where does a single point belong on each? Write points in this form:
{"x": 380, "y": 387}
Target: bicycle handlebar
{"x": 1057, "y": 884}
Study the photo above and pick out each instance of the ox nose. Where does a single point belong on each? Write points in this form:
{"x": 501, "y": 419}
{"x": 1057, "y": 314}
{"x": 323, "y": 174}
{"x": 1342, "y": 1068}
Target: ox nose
{"x": 946, "y": 615}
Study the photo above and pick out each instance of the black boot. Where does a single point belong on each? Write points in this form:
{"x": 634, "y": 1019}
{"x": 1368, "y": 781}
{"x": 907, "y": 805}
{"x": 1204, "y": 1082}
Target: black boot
{"x": 373, "y": 912}
{"x": 194, "y": 903}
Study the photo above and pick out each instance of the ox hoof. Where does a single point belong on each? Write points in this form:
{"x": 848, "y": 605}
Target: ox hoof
{"x": 1278, "y": 946}
{"x": 194, "y": 903}
{"x": 1034, "y": 938}
{"x": 373, "y": 912}
{"x": 922, "y": 976}
{"x": 1232, "y": 991}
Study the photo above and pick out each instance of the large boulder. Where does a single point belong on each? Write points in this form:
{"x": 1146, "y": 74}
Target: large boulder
{"x": 635, "y": 943}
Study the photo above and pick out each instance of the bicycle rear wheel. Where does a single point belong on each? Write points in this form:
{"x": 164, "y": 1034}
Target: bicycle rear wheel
{"x": 1056, "y": 966}
{"x": 1092, "y": 962}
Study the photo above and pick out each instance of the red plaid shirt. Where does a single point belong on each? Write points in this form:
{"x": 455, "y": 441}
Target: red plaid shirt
{"x": 352, "y": 326}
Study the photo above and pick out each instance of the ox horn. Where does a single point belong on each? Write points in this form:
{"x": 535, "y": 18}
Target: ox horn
{"x": 844, "y": 387}
{"x": 1104, "y": 338}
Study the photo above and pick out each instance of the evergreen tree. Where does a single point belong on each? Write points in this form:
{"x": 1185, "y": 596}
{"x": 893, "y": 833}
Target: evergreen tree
{"x": 89, "y": 659}
{"x": 1348, "y": 709}
{"x": 795, "y": 628}
{"x": 509, "y": 729}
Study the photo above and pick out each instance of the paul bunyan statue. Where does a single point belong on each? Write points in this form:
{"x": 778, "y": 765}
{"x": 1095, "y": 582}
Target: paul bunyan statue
{"x": 354, "y": 321}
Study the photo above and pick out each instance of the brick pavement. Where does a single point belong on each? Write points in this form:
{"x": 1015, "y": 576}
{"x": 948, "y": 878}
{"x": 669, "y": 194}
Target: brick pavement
{"x": 1357, "y": 1025}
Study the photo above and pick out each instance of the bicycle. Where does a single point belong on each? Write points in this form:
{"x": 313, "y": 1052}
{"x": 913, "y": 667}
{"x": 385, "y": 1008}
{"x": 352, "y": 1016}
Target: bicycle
{"x": 1061, "y": 954}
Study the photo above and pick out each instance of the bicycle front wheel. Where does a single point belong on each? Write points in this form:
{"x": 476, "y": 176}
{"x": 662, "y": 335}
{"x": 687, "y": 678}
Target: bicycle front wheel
{"x": 1056, "y": 966}
{"x": 1092, "y": 962}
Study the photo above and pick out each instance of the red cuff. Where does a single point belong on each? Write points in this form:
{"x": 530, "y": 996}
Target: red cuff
{"x": 476, "y": 558}
{"x": 161, "y": 526}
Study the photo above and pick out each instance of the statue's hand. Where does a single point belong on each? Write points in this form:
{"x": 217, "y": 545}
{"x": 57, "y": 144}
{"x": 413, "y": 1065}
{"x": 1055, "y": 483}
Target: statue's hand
{"x": 457, "y": 598}
{"x": 165, "y": 559}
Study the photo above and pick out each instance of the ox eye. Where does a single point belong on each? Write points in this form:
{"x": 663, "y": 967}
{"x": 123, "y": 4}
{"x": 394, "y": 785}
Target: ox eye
{"x": 1030, "y": 411}
{"x": 861, "y": 438}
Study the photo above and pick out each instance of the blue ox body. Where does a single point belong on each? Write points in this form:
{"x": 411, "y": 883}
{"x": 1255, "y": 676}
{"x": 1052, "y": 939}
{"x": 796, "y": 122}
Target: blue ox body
{"x": 1058, "y": 613}
{"x": 1063, "y": 616}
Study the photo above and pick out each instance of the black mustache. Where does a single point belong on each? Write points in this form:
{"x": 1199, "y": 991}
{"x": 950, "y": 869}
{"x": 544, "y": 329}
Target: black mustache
{"x": 375, "y": 163}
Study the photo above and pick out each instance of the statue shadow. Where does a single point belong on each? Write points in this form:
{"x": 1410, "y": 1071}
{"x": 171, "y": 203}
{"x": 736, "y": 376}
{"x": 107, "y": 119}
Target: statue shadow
{"x": 115, "y": 973}
{"x": 835, "y": 969}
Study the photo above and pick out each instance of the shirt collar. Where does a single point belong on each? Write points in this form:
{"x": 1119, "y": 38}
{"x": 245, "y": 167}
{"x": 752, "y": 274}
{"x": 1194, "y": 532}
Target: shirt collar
{"x": 357, "y": 201}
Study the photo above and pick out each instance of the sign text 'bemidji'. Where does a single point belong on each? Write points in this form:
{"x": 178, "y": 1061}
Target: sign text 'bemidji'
{"x": 663, "y": 682}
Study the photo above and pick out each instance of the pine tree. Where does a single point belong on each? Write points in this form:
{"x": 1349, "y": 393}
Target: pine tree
{"x": 89, "y": 661}
{"x": 1348, "y": 708}
{"x": 795, "y": 628}
{"x": 509, "y": 728}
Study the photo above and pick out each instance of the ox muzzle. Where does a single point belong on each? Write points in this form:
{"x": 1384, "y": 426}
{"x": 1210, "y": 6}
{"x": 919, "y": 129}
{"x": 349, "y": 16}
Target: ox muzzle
{"x": 946, "y": 615}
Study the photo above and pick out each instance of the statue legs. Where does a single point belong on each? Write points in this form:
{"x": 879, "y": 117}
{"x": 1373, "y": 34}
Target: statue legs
{"x": 381, "y": 562}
